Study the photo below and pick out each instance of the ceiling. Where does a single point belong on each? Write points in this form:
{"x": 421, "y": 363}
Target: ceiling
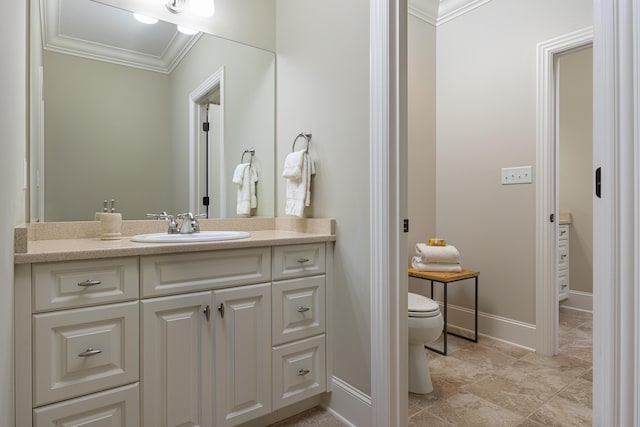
{"x": 97, "y": 31}
{"x": 438, "y": 12}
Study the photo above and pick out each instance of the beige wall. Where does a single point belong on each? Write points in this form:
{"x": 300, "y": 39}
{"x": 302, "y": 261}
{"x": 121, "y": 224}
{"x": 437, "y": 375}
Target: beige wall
{"x": 576, "y": 162}
{"x": 13, "y": 121}
{"x": 486, "y": 120}
{"x": 323, "y": 88}
{"x": 102, "y": 152}
{"x": 422, "y": 136}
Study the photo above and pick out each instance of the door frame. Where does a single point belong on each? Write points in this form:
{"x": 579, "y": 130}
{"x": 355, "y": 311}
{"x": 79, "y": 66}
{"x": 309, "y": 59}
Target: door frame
{"x": 547, "y": 185}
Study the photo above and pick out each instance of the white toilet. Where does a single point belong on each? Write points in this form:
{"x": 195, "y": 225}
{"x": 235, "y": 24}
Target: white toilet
{"x": 425, "y": 326}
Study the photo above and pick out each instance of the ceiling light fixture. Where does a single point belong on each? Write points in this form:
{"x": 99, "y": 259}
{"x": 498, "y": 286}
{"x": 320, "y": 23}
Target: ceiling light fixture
{"x": 144, "y": 19}
{"x": 199, "y": 7}
{"x": 187, "y": 31}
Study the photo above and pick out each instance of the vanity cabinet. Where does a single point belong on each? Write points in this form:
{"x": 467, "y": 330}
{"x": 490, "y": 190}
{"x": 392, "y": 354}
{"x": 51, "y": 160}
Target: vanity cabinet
{"x": 563, "y": 262}
{"x": 212, "y": 338}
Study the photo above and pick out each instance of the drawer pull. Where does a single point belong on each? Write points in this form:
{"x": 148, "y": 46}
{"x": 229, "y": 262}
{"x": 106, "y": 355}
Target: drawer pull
{"x": 562, "y": 232}
{"x": 303, "y": 372}
{"x": 221, "y": 310}
{"x": 89, "y": 282}
{"x": 302, "y": 260}
{"x": 207, "y": 312}
{"x": 303, "y": 309}
{"x": 90, "y": 352}
{"x": 563, "y": 256}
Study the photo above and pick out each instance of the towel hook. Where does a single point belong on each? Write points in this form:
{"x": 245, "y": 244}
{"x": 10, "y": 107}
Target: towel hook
{"x": 251, "y": 151}
{"x": 307, "y": 138}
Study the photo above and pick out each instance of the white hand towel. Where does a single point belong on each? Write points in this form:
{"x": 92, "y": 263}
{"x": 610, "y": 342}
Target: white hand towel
{"x": 242, "y": 178}
{"x": 293, "y": 165}
{"x": 438, "y": 254}
{"x": 253, "y": 173}
{"x": 238, "y": 173}
{"x": 441, "y": 267}
{"x": 298, "y": 191}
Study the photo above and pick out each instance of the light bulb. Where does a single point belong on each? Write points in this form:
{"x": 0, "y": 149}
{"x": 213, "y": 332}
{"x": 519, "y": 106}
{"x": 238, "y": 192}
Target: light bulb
{"x": 144, "y": 19}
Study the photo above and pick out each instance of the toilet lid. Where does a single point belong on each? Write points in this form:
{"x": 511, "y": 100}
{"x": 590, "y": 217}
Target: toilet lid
{"x": 421, "y": 306}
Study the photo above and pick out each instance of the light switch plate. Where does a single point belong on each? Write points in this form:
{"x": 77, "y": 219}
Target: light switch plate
{"x": 517, "y": 175}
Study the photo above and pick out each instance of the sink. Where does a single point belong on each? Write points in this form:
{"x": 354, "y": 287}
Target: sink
{"x": 203, "y": 236}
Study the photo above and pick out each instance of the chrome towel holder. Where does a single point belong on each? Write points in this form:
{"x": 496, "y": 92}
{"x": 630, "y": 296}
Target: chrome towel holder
{"x": 307, "y": 138}
{"x": 250, "y": 151}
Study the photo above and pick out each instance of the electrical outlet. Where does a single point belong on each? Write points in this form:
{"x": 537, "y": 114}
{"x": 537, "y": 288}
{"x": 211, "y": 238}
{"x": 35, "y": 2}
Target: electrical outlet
{"x": 518, "y": 175}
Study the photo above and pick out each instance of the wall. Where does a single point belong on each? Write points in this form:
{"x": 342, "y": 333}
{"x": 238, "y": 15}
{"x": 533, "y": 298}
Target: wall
{"x": 486, "y": 120}
{"x": 99, "y": 154}
{"x": 422, "y": 136}
{"x": 13, "y": 120}
{"x": 576, "y": 162}
{"x": 322, "y": 87}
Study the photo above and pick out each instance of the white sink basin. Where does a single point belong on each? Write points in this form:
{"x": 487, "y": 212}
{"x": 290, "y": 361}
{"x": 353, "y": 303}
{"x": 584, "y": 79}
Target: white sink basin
{"x": 203, "y": 236}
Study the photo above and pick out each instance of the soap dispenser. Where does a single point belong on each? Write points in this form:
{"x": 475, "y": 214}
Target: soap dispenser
{"x": 110, "y": 222}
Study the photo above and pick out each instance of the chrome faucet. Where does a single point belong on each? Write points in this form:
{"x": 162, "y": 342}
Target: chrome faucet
{"x": 172, "y": 223}
{"x": 190, "y": 223}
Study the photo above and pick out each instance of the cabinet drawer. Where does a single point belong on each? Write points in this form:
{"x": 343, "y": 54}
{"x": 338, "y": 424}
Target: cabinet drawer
{"x": 563, "y": 284}
{"x": 563, "y": 232}
{"x": 81, "y": 283}
{"x": 178, "y": 273}
{"x": 298, "y": 371}
{"x": 118, "y": 407}
{"x": 298, "y": 260}
{"x": 84, "y": 350}
{"x": 563, "y": 256}
{"x": 298, "y": 309}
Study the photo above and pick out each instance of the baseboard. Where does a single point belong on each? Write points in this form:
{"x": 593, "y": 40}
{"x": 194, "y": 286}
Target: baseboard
{"x": 508, "y": 330}
{"x": 577, "y": 300}
{"x": 350, "y": 405}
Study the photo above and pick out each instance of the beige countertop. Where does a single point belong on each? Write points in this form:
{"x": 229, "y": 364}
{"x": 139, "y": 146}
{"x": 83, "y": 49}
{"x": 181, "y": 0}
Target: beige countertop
{"x": 565, "y": 218}
{"x": 285, "y": 232}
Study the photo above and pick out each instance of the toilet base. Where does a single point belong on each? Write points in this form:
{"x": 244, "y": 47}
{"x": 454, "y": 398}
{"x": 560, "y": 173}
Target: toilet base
{"x": 419, "y": 377}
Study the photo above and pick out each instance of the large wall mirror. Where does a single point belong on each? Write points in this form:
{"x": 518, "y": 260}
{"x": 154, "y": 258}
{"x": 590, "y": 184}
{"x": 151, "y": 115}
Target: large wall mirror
{"x": 117, "y": 108}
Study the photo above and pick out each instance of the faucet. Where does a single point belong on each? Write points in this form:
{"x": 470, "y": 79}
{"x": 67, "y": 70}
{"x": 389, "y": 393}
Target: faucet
{"x": 190, "y": 223}
{"x": 173, "y": 224}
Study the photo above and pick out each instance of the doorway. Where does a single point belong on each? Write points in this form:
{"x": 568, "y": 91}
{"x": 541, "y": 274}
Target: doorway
{"x": 547, "y": 189}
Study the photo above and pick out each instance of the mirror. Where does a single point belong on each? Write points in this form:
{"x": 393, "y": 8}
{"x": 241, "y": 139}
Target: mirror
{"x": 117, "y": 108}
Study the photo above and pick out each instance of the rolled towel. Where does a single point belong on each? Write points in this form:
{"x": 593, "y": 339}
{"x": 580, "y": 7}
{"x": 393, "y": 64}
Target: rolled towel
{"x": 438, "y": 254}
{"x": 438, "y": 267}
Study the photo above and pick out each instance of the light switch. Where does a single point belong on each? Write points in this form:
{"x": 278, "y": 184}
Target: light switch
{"x": 517, "y": 175}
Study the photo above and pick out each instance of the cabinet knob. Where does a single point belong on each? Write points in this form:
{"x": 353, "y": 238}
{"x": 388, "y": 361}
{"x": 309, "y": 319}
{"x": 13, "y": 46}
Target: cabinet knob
{"x": 221, "y": 310}
{"x": 207, "y": 312}
{"x": 90, "y": 352}
{"x": 303, "y": 372}
{"x": 89, "y": 282}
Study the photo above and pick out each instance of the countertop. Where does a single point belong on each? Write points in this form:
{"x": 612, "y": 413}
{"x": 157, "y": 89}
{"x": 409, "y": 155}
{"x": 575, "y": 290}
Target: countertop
{"x": 284, "y": 233}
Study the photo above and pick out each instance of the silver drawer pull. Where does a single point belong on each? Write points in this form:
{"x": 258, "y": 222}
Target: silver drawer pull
{"x": 303, "y": 372}
{"x": 303, "y": 309}
{"x": 563, "y": 256}
{"x": 562, "y": 232}
{"x": 89, "y": 282}
{"x": 302, "y": 260}
{"x": 90, "y": 352}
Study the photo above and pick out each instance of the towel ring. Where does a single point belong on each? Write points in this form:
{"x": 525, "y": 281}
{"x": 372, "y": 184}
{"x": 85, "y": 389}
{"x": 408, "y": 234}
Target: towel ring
{"x": 251, "y": 151}
{"x": 307, "y": 138}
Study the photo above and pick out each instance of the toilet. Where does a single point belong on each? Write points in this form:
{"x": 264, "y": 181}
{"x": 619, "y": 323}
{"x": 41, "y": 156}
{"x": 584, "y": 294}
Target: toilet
{"x": 425, "y": 326}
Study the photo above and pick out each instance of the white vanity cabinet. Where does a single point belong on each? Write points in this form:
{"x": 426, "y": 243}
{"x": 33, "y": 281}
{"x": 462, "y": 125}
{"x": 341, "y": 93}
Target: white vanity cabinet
{"x": 299, "y": 323}
{"x": 77, "y": 335}
{"x": 213, "y": 338}
{"x": 563, "y": 262}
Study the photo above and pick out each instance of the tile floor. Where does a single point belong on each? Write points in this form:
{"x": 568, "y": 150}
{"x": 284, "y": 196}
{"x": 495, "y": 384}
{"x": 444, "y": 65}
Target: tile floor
{"x": 496, "y": 384}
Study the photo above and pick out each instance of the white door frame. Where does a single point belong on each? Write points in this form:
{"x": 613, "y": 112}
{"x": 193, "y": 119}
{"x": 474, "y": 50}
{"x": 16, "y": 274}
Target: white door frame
{"x": 547, "y": 186}
{"x": 616, "y": 239}
{"x": 388, "y": 206}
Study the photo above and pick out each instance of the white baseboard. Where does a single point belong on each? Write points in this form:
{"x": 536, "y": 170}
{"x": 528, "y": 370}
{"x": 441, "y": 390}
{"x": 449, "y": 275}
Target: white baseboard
{"x": 350, "y": 405}
{"x": 511, "y": 331}
{"x": 579, "y": 301}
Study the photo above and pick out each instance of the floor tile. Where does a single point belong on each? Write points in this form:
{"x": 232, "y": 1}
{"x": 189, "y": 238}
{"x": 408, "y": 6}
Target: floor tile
{"x": 561, "y": 412}
{"x": 466, "y": 409}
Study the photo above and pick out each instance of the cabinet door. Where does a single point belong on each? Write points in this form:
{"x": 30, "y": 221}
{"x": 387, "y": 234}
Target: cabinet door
{"x": 176, "y": 358}
{"x": 242, "y": 354}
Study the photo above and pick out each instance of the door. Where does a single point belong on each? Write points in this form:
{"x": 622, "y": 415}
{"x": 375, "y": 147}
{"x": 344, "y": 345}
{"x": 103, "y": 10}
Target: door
{"x": 242, "y": 354}
{"x": 176, "y": 359}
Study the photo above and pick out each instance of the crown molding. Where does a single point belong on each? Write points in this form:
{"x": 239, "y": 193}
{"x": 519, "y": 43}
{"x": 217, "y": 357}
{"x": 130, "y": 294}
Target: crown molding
{"x": 444, "y": 11}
